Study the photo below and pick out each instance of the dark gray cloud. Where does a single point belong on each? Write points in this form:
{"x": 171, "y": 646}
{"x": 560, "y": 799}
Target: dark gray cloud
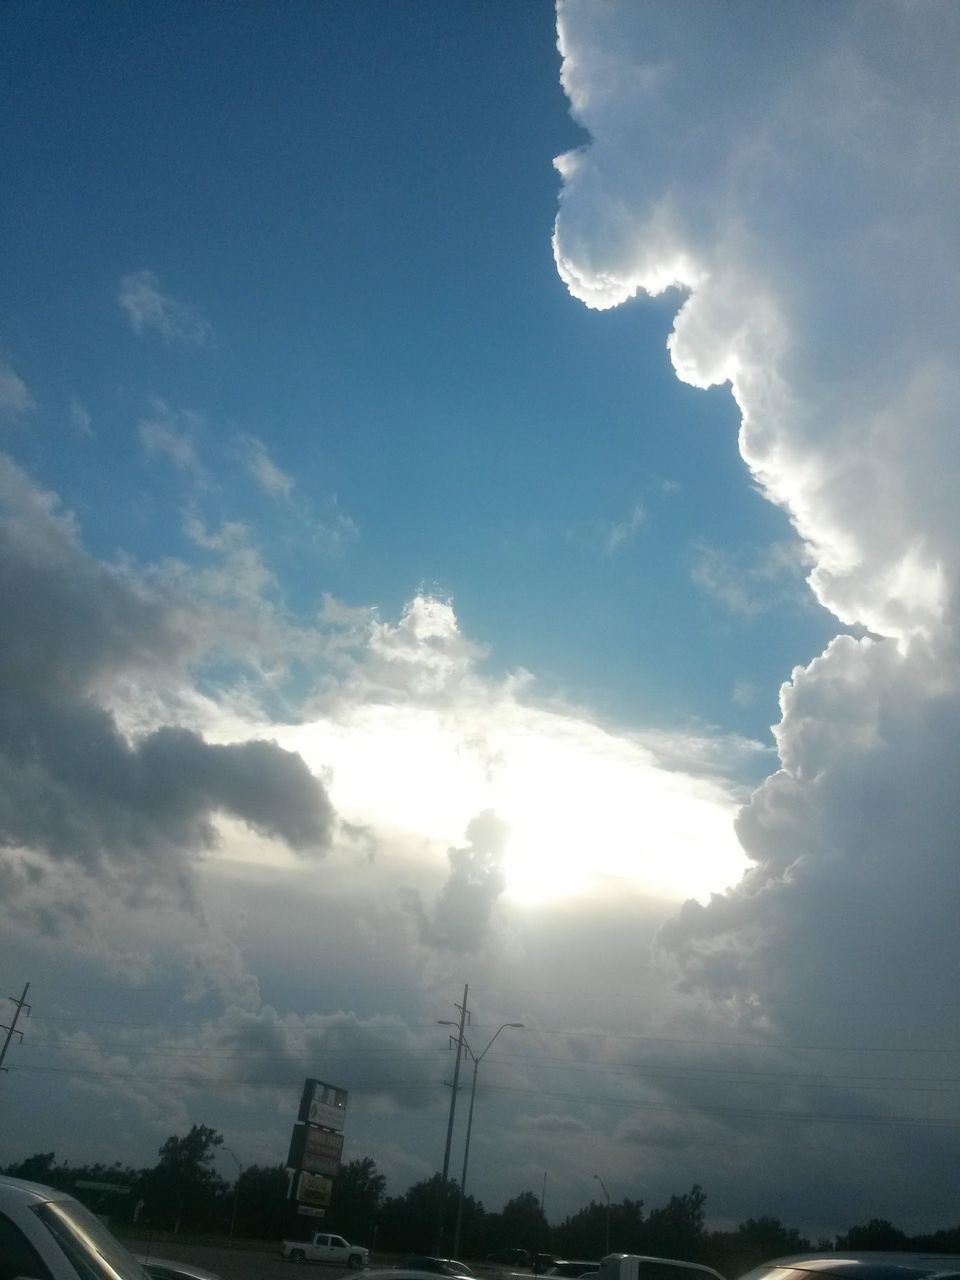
{"x": 72, "y": 784}
{"x": 461, "y": 914}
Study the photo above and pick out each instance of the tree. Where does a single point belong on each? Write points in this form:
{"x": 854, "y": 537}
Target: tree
{"x": 522, "y": 1222}
{"x": 183, "y": 1185}
{"x": 408, "y": 1223}
{"x": 262, "y": 1202}
{"x": 357, "y": 1195}
{"x": 754, "y": 1241}
{"x": 39, "y": 1167}
{"x": 583, "y": 1234}
{"x": 878, "y": 1233}
{"x": 676, "y": 1230}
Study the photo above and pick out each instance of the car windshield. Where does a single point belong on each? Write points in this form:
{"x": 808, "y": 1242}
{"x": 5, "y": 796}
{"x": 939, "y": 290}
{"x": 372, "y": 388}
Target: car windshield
{"x": 94, "y": 1253}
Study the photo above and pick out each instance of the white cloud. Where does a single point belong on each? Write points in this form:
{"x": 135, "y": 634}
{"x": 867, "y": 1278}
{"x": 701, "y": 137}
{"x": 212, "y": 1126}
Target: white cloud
{"x": 80, "y": 419}
{"x": 274, "y": 482}
{"x": 172, "y": 434}
{"x": 15, "y": 397}
{"x": 329, "y": 530}
{"x": 161, "y": 837}
{"x": 772, "y": 578}
{"x": 625, "y": 530}
{"x": 745, "y": 692}
{"x": 797, "y": 175}
{"x": 746, "y": 180}
{"x": 147, "y": 307}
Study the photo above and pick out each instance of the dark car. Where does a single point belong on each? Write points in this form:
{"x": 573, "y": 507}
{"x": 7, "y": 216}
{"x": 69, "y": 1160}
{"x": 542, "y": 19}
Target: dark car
{"x": 438, "y": 1266}
{"x": 510, "y": 1257}
{"x": 859, "y": 1265}
{"x": 567, "y": 1267}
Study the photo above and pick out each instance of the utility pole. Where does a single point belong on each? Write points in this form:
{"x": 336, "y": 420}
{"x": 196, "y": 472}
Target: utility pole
{"x": 12, "y": 1029}
{"x": 464, "y": 1019}
{"x": 607, "y": 1194}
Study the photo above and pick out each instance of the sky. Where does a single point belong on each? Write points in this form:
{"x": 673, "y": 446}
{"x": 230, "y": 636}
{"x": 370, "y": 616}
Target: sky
{"x": 477, "y": 502}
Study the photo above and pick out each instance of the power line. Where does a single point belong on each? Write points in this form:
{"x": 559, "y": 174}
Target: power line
{"x": 348, "y": 1028}
{"x": 627, "y": 1104}
{"x": 716, "y": 1075}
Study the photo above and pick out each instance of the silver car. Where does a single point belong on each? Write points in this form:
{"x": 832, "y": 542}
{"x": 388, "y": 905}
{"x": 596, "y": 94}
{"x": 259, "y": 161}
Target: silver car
{"x": 48, "y": 1234}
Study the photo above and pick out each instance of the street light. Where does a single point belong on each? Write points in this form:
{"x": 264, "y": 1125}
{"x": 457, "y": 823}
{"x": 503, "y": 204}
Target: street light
{"x": 466, "y": 1146}
{"x": 607, "y": 1194}
{"x": 236, "y": 1189}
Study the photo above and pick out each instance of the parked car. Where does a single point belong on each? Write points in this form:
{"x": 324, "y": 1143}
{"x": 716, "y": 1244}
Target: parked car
{"x": 435, "y": 1266}
{"x": 48, "y": 1235}
{"x": 510, "y": 1257}
{"x": 167, "y": 1269}
{"x": 643, "y": 1266}
{"x": 403, "y": 1272}
{"x": 567, "y": 1267}
{"x": 860, "y": 1265}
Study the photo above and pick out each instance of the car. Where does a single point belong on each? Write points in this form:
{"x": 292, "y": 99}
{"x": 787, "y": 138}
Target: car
{"x": 168, "y": 1269}
{"x": 436, "y": 1266}
{"x": 510, "y": 1258}
{"x": 567, "y": 1267}
{"x": 48, "y": 1235}
{"x": 859, "y": 1265}
{"x": 413, "y": 1273}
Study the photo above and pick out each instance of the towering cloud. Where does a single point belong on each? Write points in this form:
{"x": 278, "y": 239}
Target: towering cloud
{"x": 793, "y": 173}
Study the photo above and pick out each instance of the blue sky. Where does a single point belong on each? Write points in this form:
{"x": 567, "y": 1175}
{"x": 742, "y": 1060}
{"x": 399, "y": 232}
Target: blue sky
{"x": 433, "y": 438}
{"x": 358, "y": 203}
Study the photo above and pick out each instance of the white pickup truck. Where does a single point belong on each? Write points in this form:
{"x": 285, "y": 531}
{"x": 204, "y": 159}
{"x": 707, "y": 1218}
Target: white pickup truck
{"x": 325, "y": 1247}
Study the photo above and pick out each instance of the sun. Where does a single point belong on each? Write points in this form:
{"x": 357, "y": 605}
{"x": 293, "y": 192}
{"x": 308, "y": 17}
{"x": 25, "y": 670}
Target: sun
{"x": 587, "y": 809}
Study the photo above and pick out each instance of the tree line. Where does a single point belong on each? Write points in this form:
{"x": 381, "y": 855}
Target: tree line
{"x": 183, "y": 1191}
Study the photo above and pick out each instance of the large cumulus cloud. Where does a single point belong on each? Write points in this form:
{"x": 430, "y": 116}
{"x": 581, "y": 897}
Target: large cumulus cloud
{"x": 793, "y": 172}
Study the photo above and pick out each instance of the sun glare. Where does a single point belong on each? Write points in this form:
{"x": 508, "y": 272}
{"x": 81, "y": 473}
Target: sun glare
{"x": 586, "y": 809}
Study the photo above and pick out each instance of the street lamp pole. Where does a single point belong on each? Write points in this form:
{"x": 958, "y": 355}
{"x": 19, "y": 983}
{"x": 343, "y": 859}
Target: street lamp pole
{"x": 466, "y": 1146}
{"x": 607, "y": 1194}
{"x": 236, "y": 1189}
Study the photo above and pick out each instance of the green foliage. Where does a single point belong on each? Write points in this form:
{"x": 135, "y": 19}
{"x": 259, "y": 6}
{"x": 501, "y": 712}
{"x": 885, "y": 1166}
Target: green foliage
{"x": 261, "y": 1202}
{"x": 757, "y": 1240}
{"x": 878, "y": 1233}
{"x": 358, "y": 1191}
{"x": 40, "y": 1167}
{"x": 183, "y": 1189}
{"x": 522, "y": 1222}
{"x": 408, "y": 1223}
{"x": 584, "y": 1234}
{"x": 676, "y": 1229}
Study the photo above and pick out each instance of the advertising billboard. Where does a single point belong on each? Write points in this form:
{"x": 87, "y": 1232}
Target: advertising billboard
{"x": 314, "y": 1190}
{"x": 323, "y": 1104}
{"x": 315, "y": 1150}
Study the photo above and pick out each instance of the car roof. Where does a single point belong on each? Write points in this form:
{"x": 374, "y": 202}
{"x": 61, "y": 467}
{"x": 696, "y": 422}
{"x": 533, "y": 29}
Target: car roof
{"x": 176, "y": 1268}
{"x": 410, "y": 1262}
{"x": 21, "y": 1189}
{"x": 408, "y": 1273}
{"x": 861, "y": 1264}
